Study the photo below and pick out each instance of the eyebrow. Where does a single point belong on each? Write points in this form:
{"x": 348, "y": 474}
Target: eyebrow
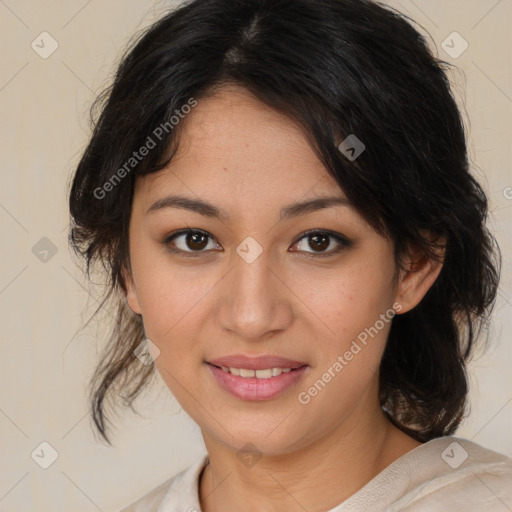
{"x": 209, "y": 210}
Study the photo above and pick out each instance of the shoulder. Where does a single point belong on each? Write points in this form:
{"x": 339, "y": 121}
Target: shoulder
{"x": 446, "y": 473}
{"x": 456, "y": 456}
{"x": 180, "y": 491}
{"x": 458, "y": 474}
{"x": 152, "y": 500}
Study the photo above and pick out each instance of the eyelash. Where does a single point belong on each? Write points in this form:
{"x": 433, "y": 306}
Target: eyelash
{"x": 343, "y": 242}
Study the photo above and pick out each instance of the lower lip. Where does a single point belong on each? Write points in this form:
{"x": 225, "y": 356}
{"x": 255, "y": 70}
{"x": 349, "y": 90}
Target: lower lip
{"x": 252, "y": 388}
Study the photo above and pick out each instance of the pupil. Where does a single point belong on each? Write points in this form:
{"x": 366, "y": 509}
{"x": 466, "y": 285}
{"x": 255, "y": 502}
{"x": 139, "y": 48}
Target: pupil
{"x": 194, "y": 241}
{"x": 319, "y": 245}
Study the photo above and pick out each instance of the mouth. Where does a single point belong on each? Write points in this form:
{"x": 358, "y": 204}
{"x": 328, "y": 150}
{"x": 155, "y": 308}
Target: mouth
{"x": 263, "y": 373}
{"x": 256, "y": 384}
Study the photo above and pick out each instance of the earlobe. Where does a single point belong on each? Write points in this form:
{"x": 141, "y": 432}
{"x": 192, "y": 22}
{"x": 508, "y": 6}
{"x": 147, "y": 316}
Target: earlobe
{"x": 131, "y": 292}
{"x": 418, "y": 276}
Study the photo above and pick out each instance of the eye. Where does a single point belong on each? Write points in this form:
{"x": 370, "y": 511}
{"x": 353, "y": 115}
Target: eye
{"x": 189, "y": 241}
{"x": 320, "y": 240}
{"x": 193, "y": 242}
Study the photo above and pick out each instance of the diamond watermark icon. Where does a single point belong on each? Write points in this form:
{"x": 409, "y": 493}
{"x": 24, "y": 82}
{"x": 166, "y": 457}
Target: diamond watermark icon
{"x": 146, "y": 352}
{"x": 454, "y": 45}
{"x": 44, "y": 250}
{"x": 454, "y": 455}
{"x": 44, "y": 45}
{"x": 352, "y": 147}
{"x": 44, "y": 455}
{"x": 249, "y": 455}
{"x": 249, "y": 249}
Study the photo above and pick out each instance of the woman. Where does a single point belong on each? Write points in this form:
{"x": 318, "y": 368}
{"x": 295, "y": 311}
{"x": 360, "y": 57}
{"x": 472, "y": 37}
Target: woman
{"x": 280, "y": 193}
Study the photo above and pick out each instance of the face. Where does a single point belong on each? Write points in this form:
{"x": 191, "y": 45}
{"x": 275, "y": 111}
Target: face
{"x": 262, "y": 284}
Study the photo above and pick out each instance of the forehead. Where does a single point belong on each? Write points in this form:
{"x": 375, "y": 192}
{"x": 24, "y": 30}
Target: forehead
{"x": 234, "y": 126}
{"x": 233, "y": 138}
{"x": 249, "y": 161}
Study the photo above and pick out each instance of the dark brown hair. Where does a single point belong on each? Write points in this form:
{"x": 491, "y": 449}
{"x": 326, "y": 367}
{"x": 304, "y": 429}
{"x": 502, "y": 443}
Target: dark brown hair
{"x": 337, "y": 67}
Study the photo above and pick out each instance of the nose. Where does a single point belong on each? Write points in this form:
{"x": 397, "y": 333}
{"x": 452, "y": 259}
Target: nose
{"x": 254, "y": 300}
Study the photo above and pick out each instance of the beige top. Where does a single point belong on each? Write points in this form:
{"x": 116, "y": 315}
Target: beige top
{"x": 447, "y": 474}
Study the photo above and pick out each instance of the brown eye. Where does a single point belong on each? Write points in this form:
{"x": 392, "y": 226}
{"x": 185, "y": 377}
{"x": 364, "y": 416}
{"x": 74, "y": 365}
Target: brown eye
{"x": 189, "y": 241}
{"x": 320, "y": 241}
{"x": 196, "y": 241}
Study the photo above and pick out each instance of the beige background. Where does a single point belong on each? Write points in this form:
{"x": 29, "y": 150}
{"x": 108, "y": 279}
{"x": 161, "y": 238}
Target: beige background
{"x": 46, "y": 359}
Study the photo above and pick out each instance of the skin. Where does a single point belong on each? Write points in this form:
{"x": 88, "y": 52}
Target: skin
{"x": 251, "y": 161}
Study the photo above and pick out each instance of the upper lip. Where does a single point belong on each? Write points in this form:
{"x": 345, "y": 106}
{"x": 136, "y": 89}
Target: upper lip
{"x": 255, "y": 363}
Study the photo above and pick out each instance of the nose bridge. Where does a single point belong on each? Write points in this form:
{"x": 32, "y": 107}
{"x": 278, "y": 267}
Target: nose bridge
{"x": 253, "y": 301}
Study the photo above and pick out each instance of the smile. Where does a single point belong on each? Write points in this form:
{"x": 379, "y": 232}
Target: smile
{"x": 257, "y": 384}
{"x": 265, "y": 373}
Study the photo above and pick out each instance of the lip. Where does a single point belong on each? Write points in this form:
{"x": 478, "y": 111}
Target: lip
{"x": 254, "y": 389}
{"x": 256, "y": 363}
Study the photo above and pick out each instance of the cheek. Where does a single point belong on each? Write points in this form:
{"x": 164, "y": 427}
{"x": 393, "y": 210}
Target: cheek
{"x": 172, "y": 310}
{"x": 170, "y": 297}
{"x": 348, "y": 364}
{"x": 356, "y": 312}
{"x": 347, "y": 300}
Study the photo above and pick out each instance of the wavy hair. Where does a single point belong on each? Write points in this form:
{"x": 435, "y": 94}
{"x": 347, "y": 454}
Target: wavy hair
{"x": 337, "y": 67}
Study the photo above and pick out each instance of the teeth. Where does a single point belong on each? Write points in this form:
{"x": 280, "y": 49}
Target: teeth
{"x": 267, "y": 373}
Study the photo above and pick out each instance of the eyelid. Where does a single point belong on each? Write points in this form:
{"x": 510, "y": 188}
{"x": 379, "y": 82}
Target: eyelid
{"x": 344, "y": 243}
{"x": 185, "y": 231}
{"x": 338, "y": 237}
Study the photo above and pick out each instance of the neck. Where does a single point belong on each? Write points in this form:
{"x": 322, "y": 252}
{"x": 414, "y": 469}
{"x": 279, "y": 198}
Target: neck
{"x": 316, "y": 477}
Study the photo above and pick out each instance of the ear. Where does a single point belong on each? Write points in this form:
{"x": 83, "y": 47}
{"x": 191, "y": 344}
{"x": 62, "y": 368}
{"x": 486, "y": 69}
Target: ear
{"x": 419, "y": 273}
{"x": 131, "y": 291}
